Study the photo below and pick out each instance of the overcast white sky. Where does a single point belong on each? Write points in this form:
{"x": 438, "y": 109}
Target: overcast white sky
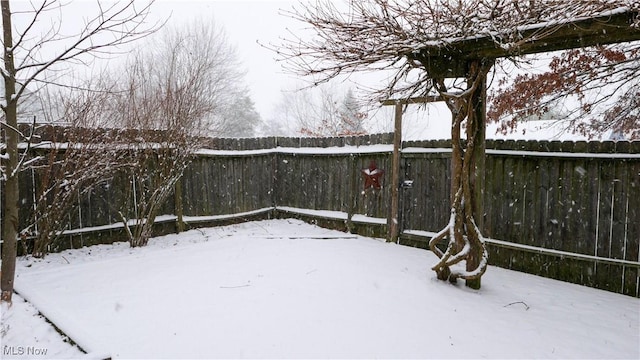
{"x": 246, "y": 23}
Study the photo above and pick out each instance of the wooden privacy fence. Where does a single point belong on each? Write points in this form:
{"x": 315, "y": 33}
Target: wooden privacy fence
{"x": 564, "y": 210}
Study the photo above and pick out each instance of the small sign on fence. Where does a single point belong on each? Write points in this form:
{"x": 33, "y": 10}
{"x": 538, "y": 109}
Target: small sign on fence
{"x": 372, "y": 176}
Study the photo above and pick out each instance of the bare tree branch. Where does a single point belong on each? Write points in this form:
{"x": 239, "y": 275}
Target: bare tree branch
{"x": 117, "y": 24}
{"x": 120, "y": 24}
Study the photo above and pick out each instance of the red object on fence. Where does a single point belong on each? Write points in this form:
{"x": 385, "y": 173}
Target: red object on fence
{"x": 372, "y": 176}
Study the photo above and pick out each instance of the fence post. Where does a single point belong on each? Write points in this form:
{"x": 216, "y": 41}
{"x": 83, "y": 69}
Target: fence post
{"x": 179, "y": 209}
{"x": 392, "y": 220}
{"x": 353, "y": 191}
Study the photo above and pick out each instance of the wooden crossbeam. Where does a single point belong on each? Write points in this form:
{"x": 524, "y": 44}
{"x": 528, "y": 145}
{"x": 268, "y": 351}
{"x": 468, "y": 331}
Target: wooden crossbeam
{"x": 451, "y": 59}
{"x": 413, "y": 100}
{"x": 602, "y": 30}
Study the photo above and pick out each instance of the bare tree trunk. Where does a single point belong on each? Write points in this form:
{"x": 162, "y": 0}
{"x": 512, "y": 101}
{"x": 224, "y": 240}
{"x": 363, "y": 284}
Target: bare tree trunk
{"x": 12, "y": 195}
{"x": 476, "y": 130}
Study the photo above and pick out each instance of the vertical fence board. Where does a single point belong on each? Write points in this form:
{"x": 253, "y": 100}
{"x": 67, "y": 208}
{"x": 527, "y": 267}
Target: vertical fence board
{"x": 518, "y": 209}
{"x": 605, "y": 208}
{"x": 530, "y": 214}
{"x": 632, "y": 236}
{"x": 582, "y": 224}
{"x": 618, "y": 224}
{"x": 554, "y": 198}
{"x": 495, "y": 170}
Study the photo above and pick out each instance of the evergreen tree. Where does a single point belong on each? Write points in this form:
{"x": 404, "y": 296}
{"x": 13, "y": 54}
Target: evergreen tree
{"x": 351, "y": 116}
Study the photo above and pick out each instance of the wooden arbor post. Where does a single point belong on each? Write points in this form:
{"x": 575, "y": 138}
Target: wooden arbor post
{"x": 393, "y": 226}
{"x": 477, "y": 130}
{"x": 464, "y": 230}
{"x": 392, "y": 219}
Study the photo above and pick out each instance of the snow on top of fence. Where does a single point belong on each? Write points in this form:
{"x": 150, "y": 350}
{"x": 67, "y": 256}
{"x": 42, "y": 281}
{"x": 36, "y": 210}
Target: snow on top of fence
{"x": 418, "y": 150}
{"x": 563, "y": 154}
{"x": 332, "y": 150}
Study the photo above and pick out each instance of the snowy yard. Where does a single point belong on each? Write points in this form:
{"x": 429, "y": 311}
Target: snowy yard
{"x": 286, "y": 289}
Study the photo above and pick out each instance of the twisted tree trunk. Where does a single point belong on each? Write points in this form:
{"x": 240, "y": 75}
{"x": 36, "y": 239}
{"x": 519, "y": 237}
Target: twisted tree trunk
{"x": 465, "y": 241}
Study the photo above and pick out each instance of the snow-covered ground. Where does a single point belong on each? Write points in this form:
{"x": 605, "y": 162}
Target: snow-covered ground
{"x": 27, "y": 335}
{"x": 286, "y": 289}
